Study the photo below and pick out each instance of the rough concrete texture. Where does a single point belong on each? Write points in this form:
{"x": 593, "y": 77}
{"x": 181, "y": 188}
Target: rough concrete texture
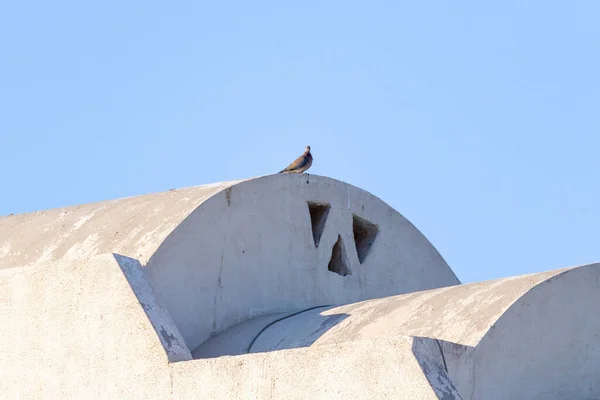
{"x": 529, "y": 337}
{"x": 222, "y": 253}
{"x": 131, "y": 226}
{"x": 75, "y": 329}
{"x": 398, "y": 368}
{"x": 259, "y": 255}
{"x": 205, "y": 292}
{"x": 460, "y": 314}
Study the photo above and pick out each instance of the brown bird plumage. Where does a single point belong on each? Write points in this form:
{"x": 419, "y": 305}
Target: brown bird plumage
{"x": 300, "y": 164}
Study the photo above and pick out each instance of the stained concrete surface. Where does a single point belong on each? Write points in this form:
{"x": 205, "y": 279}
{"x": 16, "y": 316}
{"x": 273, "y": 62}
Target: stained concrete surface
{"x": 534, "y": 336}
{"x": 114, "y": 299}
{"x": 395, "y": 368}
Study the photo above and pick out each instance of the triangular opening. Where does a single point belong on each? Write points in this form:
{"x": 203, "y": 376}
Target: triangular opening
{"x": 339, "y": 261}
{"x": 365, "y": 233}
{"x": 318, "y": 216}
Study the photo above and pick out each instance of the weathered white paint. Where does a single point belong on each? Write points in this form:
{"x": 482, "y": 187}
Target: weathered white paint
{"x": 93, "y": 329}
{"x": 461, "y": 314}
{"x": 396, "y": 368}
{"x": 547, "y": 344}
{"x": 249, "y": 251}
{"x": 529, "y": 337}
{"x": 76, "y": 329}
{"x": 4, "y": 249}
{"x": 131, "y": 226}
{"x": 107, "y": 300}
{"x": 222, "y": 253}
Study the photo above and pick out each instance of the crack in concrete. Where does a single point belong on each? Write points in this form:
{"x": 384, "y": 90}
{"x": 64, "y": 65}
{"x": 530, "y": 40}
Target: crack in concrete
{"x": 219, "y": 281}
{"x": 217, "y": 290}
{"x": 171, "y": 381}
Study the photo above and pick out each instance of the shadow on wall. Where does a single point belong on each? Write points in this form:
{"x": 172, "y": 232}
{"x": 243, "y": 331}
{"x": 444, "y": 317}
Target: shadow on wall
{"x": 271, "y": 333}
{"x": 190, "y": 281}
{"x": 281, "y": 331}
{"x": 157, "y": 314}
{"x": 432, "y": 359}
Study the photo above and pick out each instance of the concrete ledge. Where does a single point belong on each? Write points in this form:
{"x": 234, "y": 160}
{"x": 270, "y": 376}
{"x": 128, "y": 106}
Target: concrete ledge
{"x": 401, "y": 368}
{"x": 77, "y": 330}
{"x": 532, "y": 336}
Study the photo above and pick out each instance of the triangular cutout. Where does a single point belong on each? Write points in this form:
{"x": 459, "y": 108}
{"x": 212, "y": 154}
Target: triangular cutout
{"x": 318, "y": 216}
{"x": 365, "y": 233}
{"x": 339, "y": 260}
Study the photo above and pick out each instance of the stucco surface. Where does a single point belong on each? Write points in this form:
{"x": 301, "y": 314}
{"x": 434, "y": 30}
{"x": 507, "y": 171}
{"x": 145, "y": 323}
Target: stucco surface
{"x": 131, "y": 226}
{"x": 546, "y": 346}
{"x": 249, "y": 251}
{"x": 92, "y": 328}
{"x": 534, "y": 336}
{"x": 459, "y": 314}
{"x": 204, "y": 292}
{"x": 222, "y": 253}
{"x": 395, "y": 368}
{"x": 76, "y": 329}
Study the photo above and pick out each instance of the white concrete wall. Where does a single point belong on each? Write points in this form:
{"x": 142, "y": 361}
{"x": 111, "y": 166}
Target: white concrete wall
{"x": 76, "y": 330}
{"x": 92, "y": 329}
{"x": 249, "y": 251}
{"x": 546, "y": 346}
{"x": 396, "y": 368}
{"x": 222, "y": 253}
{"x": 529, "y": 337}
{"x": 229, "y": 258}
{"x": 459, "y": 314}
{"x": 82, "y": 322}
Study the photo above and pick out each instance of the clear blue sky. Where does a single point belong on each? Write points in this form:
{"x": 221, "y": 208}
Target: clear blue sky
{"x": 478, "y": 121}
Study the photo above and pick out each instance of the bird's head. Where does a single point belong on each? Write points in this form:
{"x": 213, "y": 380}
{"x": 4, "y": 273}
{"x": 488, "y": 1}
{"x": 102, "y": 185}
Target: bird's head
{"x": 307, "y": 150}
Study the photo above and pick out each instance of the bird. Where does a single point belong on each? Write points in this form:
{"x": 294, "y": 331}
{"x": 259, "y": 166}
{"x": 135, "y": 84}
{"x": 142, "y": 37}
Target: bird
{"x": 300, "y": 164}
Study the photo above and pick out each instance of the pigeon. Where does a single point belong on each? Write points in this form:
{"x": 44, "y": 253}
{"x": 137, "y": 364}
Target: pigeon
{"x": 300, "y": 164}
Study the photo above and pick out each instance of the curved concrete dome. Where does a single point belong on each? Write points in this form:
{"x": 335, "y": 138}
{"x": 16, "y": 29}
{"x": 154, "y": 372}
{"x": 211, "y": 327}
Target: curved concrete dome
{"x": 285, "y": 242}
{"x": 132, "y": 226}
{"x": 526, "y": 337}
{"x": 317, "y": 288}
{"x": 219, "y": 254}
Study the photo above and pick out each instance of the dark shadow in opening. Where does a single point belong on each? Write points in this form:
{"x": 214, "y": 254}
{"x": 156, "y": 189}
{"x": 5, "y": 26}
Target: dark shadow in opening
{"x": 318, "y": 216}
{"x": 365, "y": 233}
